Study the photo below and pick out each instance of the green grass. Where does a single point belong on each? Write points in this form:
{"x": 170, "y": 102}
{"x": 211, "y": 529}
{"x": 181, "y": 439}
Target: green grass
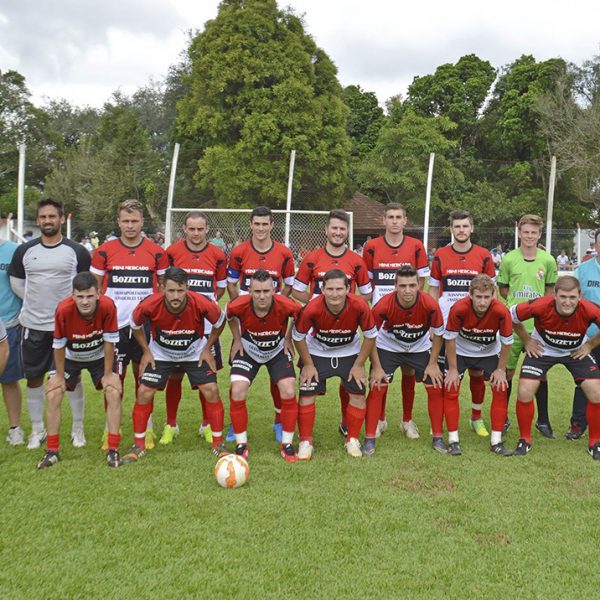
{"x": 406, "y": 523}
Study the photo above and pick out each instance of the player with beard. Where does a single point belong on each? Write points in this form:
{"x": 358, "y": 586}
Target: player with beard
{"x": 41, "y": 273}
{"x": 334, "y": 255}
{"x": 453, "y": 268}
{"x": 206, "y": 266}
{"x": 383, "y": 256}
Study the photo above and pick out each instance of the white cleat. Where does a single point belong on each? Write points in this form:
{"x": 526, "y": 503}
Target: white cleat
{"x": 305, "y": 450}
{"x": 36, "y": 439}
{"x": 381, "y": 428}
{"x": 15, "y": 436}
{"x": 353, "y": 448}
{"x": 410, "y": 429}
{"x": 78, "y": 437}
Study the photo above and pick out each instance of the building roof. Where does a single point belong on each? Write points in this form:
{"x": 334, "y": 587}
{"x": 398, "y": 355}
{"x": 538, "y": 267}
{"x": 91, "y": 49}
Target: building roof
{"x": 368, "y": 214}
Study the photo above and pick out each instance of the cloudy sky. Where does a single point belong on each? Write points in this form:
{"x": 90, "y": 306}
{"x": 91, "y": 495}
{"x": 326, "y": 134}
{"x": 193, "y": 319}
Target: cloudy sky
{"x": 83, "y": 50}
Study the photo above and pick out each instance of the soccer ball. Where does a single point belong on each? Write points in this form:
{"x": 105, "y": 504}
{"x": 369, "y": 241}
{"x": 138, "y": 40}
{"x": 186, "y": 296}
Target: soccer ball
{"x": 231, "y": 471}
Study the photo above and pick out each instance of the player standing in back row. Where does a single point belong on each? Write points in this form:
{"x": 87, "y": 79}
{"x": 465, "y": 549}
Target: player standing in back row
{"x": 384, "y": 256}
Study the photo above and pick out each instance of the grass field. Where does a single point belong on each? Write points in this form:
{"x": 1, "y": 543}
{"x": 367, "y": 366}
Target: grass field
{"x": 407, "y": 523}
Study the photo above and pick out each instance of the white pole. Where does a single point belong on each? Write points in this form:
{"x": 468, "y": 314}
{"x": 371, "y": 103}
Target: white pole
{"x": 578, "y": 244}
{"x": 69, "y": 217}
{"x": 428, "y": 202}
{"x": 516, "y": 234}
{"x": 21, "y": 189}
{"x": 550, "y": 205}
{"x": 351, "y": 231}
{"x": 288, "y": 204}
{"x": 168, "y": 232}
{"x": 9, "y": 220}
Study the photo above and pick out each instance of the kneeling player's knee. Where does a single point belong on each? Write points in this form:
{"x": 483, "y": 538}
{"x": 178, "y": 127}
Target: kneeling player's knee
{"x": 239, "y": 390}
{"x": 287, "y": 388}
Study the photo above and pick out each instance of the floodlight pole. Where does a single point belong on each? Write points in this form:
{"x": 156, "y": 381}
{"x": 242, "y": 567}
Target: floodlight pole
{"x": 550, "y": 205}
{"x": 428, "y": 202}
{"x": 21, "y": 190}
{"x": 288, "y": 204}
{"x": 170, "y": 195}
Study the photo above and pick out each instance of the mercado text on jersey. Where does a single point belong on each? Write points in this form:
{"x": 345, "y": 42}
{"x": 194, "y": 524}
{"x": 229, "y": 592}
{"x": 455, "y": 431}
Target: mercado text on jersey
{"x": 130, "y": 273}
{"x": 176, "y": 337}
{"x": 263, "y": 337}
{"x": 407, "y": 329}
{"x": 83, "y": 339}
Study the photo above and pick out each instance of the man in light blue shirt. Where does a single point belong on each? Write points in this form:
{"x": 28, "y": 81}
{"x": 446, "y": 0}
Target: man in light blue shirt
{"x": 588, "y": 273}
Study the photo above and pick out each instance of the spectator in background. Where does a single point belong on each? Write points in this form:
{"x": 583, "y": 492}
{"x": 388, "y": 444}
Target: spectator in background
{"x": 28, "y": 235}
{"x": 430, "y": 254}
{"x": 94, "y": 239}
{"x": 358, "y": 249}
{"x": 218, "y": 241}
{"x": 574, "y": 260}
{"x": 563, "y": 262}
{"x": 85, "y": 242}
{"x": 497, "y": 257}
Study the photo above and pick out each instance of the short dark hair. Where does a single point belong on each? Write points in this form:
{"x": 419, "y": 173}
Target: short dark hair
{"x": 51, "y": 202}
{"x": 394, "y": 206}
{"x": 176, "y": 274}
{"x": 341, "y": 215}
{"x": 195, "y": 214}
{"x": 261, "y": 275}
{"x": 567, "y": 283}
{"x": 406, "y": 271}
{"x": 84, "y": 281}
{"x": 336, "y": 274}
{"x": 261, "y": 211}
{"x": 459, "y": 215}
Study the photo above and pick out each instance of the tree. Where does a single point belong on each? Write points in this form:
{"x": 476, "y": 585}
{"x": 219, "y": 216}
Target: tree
{"x": 259, "y": 87}
{"x": 365, "y": 120}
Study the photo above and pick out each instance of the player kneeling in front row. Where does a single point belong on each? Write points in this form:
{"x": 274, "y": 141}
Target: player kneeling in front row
{"x": 85, "y": 334}
{"x": 327, "y": 339}
{"x": 259, "y": 324}
{"x": 177, "y": 342}
{"x": 559, "y": 336}
{"x": 474, "y": 325}
{"x": 404, "y": 319}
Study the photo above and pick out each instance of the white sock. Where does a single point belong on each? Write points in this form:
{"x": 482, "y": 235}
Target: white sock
{"x": 496, "y": 437}
{"x": 287, "y": 437}
{"x": 241, "y": 438}
{"x": 452, "y": 437}
{"x": 35, "y": 404}
{"x": 77, "y": 402}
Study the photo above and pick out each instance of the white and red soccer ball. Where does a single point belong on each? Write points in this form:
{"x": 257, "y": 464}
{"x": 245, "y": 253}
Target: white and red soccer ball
{"x": 231, "y": 471}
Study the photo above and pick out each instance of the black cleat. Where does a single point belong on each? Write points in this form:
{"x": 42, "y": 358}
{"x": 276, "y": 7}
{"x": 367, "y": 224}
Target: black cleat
{"x": 133, "y": 454}
{"x": 506, "y": 427}
{"x": 501, "y": 450}
{"x": 522, "y": 448}
{"x": 343, "y": 429}
{"x": 594, "y": 451}
{"x": 242, "y": 450}
{"x": 113, "y": 459}
{"x": 454, "y": 449}
{"x": 545, "y": 429}
{"x": 48, "y": 460}
{"x": 575, "y": 432}
{"x": 220, "y": 450}
{"x": 437, "y": 443}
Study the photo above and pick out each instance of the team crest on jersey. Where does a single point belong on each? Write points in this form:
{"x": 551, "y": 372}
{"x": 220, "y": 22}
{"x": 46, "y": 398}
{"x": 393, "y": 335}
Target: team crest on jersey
{"x": 541, "y": 274}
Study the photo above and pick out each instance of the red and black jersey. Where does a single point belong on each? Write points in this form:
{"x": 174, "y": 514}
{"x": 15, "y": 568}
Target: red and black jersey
{"x": 383, "y": 260}
{"x": 452, "y": 272}
{"x": 206, "y": 268}
{"x": 83, "y": 339}
{"x": 263, "y": 337}
{"x": 130, "y": 273}
{"x": 176, "y": 337}
{"x": 328, "y": 334}
{"x": 318, "y": 262}
{"x": 478, "y": 336}
{"x": 245, "y": 260}
{"x": 407, "y": 329}
{"x": 558, "y": 335}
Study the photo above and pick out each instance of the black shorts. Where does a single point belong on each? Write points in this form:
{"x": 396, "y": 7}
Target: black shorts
{"x": 36, "y": 352}
{"x": 95, "y": 368}
{"x": 157, "y": 378}
{"x": 217, "y": 353}
{"x": 391, "y": 361}
{"x": 536, "y": 368}
{"x": 487, "y": 364}
{"x": 334, "y": 366}
{"x": 279, "y": 367}
{"x": 128, "y": 350}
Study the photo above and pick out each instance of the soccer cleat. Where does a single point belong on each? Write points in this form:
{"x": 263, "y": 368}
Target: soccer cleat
{"x": 113, "y": 459}
{"x": 410, "y": 430}
{"x": 506, "y": 427}
{"x": 288, "y": 453}
{"x": 48, "y": 460}
{"x": 36, "y": 438}
{"x": 594, "y": 451}
{"x": 545, "y": 429}
{"x": 205, "y": 431}
{"x": 133, "y": 454}
{"x": 277, "y": 429}
{"x": 104, "y": 445}
{"x": 150, "y": 439}
{"x": 230, "y": 434}
{"x": 381, "y": 428}
{"x": 501, "y": 450}
{"x": 242, "y": 450}
{"x": 220, "y": 450}
{"x": 454, "y": 449}
{"x": 343, "y": 429}
{"x": 369, "y": 447}
{"x": 353, "y": 448}
{"x": 16, "y": 436}
{"x": 575, "y": 432}
{"x": 78, "y": 437}
{"x": 169, "y": 434}
{"x": 437, "y": 443}
{"x": 305, "y": 450}
{"x": 522, "y": 448}
{"x": 478, "y": 426}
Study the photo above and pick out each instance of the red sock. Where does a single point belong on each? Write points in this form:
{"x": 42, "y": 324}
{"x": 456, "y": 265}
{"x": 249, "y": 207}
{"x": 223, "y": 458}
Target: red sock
{"x": 289, "y": 414}
{"x": 114, "y": 441}
{"x": 239, "y": 415}
{"x": 477, "y": 385}
{"x": 525, "y": 412}
{"x": 435, "y": 407}
{"x": 383, "y": 404}
{"x": 216, "y": 416}
{"x": 205, "y": 409}
{"x": 306, "y": 421}
{"x": 499, "y": 409}
{"x": 374, "y": 400}
{"x": 53, "y": 443}
{"x": 355, "y": 416}
{"x": 408, "y": 396}
{"x": 451, "y": 408}
{"x": 593, "y": 418}
{"x": 173, "y": 397}
{"x": 344, "y": 401}
{"x": 276, "y": 401}
{"x": 141, "y": 414}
